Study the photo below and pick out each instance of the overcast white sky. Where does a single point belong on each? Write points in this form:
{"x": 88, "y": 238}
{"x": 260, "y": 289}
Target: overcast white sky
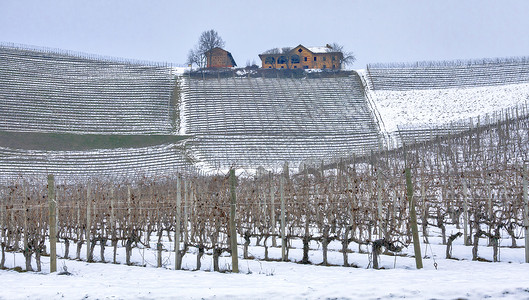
{"x": 375, "y": 30}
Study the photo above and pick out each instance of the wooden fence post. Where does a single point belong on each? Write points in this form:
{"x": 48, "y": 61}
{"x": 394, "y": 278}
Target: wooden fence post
{"x": 187, "y": 199}
{"x": 113, "y": 225}
{"x": 283, "y": 238}
{"x": 381, "y": 226}
{"x": 52, "y": 223}
{"x": 128, "y": 227}
{"x": 88, "y": 224}
{"x": 526, "y": 211}
{"x": 465, "y": 213}
{"x": 272, "y": 211}
{"x": 233, "y": 231}
{"x": 27, "y": 253}
{"x": 413, "y": 220}
{"x": 2, "y": 226}
{"x": 178, "y": 257}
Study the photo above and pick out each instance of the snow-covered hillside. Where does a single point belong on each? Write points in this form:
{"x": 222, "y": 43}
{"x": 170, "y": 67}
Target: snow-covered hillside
{"x": 414, "y": 101}
{"x": 437, "y": 107}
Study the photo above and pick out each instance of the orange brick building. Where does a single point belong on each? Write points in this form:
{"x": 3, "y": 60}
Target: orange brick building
{"x": 301, "y": 57}
{"x": 219, "y": 58}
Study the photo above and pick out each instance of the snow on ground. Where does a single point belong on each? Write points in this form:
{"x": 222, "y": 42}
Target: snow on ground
{"x": 441, "y": 106}
{"x": 182, "y": 107}
{"x": 179, "y": 70}
{"x": 453, "y": 279}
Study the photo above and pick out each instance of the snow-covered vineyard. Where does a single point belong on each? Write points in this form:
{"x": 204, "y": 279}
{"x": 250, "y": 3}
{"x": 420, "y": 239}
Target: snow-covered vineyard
{"x": 53, "y": 92}
{"x": 252, "y": 122}
{"x": 292, "y": 232}
{"x": 321, "y": 158}
{"x": 240, "y": 122}
{"x": 102, "y": 163}
{"x": 419, "y": 101}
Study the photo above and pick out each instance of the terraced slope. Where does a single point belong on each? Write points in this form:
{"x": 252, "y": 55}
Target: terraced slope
{"x": 251, "y": 122}
{"x": 53, "y": 100}
{"x": 444, "y": 75}
{"x": 54, "y": 92}
{"x": 118, "y": 163}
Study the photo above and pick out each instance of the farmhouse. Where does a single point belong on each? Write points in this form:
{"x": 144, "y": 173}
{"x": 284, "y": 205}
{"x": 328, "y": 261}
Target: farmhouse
{"x": 302, "y": 57}
{"x": 219, "y": 58}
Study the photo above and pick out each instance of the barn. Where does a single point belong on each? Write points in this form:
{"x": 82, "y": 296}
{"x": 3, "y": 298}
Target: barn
{"x": 219, "y": 58}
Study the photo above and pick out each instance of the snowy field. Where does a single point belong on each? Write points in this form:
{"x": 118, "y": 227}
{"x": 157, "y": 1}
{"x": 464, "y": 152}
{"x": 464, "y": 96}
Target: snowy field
{"x": 258, "y": 279}
{"x": 441, "y": 106}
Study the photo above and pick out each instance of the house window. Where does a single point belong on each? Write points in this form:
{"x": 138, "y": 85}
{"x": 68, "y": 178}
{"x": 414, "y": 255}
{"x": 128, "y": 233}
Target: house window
{"x": 270, "y": 60}
{"x": 324, "y": 58}
{"x": 295, "y": 67}
{"x": 282, "y": 67}
{"x": 282, "y": 60}
{"x": 294, "y": 59}
{"x": 305, "y": 67}
{"x": 300, "y": 50}
{"x": 315, "y": 58}
{"x": 305, "y": 58}
{"x": 333, "y": 58}
{"x": 334, "y": 66}
{"x": 324, "y": 66}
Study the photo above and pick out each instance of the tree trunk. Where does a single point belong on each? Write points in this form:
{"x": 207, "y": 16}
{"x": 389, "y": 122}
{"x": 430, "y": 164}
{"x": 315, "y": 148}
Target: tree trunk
{"x": 37, "y": 258}
{"x": 265, "y": 239}
{"x": 66, "y": 248}
{"x": 102, "y": 244}
{"x": 115, "y": 246}
{"x": 325, "y": 244}
{"x": 128, "y": 251}
{"x": 3, "y": 259}
{"x": 376, "y": 250}
{"x": 216, "y": 254}
{"x": 449, "y": 244}
{"x": 478, "y": 234}
{"x": 306, "y": 242}
{"x": 79, "y": 246}
{"x": 199, "y": 256}
{"x": 27, "y": 256}
{"x": 246, "y": 244}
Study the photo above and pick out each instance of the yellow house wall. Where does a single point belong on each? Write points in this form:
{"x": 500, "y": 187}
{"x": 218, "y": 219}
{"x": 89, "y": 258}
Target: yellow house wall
{"x": 319, "y": 63}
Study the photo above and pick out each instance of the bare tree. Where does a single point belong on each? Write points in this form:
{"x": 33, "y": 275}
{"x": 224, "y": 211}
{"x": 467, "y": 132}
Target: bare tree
{"x": 348, "y": 57}
{"x": 194, "y": 57}
{"x": 208, "y": 40}
{"x": 272, "y": 51}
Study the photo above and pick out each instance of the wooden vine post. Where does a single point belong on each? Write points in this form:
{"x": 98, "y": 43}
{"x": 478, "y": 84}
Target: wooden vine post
{"x": 27, "y": 253}
{"x": 88, "y": 225}
{"x": 178, "y": 256}
{"x": 283, "y": 180}
{"x": 283, "y": 238}
{"x": 113, "y": 225}
{"x": 233, "y": 231}
{"x": 52, "y": 223}
{"x": 381, "y": 225}
{"x": 526, "y": 211}
{"x": 465, "y": 213}
{"x": 2, "y": 226}
{"x": 413, "y": 220}
{"x": 272, "y": 212}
